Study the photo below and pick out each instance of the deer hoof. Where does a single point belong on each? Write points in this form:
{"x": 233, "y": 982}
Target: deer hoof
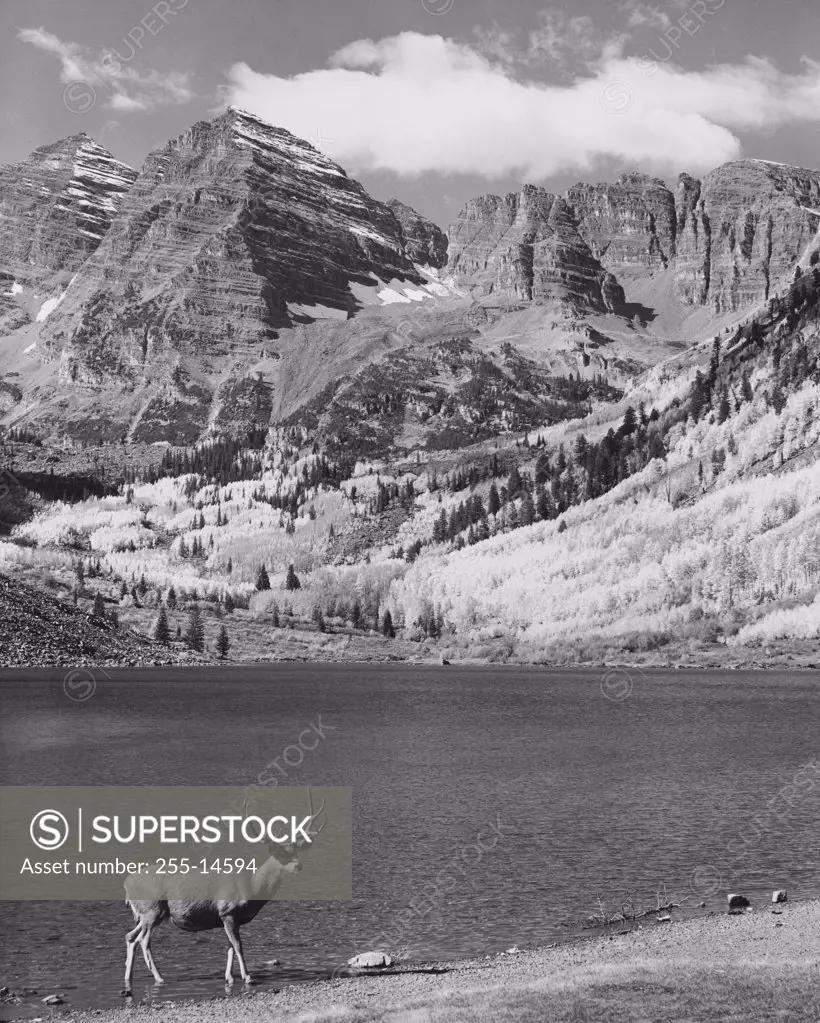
{"x": 249, "y": 980}
{"x": 126, "y": 992}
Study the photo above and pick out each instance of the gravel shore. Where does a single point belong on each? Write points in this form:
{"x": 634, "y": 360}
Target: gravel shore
{"x": 776, "y": 952}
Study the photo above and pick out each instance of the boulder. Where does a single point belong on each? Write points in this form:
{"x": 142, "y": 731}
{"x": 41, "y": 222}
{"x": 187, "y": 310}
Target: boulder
{"x": 371, "y": 961}
{"x": 52, "y": 1000}
{"x": 737, "y": 901}
{"x": 780, "y": 895}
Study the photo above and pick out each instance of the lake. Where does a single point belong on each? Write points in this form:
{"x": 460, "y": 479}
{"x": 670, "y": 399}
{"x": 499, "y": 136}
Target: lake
{"x": 598, "y": 786}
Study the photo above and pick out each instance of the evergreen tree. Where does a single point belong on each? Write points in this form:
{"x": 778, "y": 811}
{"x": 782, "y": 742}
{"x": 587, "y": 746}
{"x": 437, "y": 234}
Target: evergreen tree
{"x": 527, "y": 511}
{"x": 514, "y": 484}
{"x": 230, "y": 566}
{"x": 493, "y": 502}
{"x": 195, "y": 633}
{"x": 275, "y": 615}
{"x": 223, "y": 643}
{"x": 114, "y": 618}
{"x": 262, "y": 579}
{"x": 714, "y": 363}
{"x": 229, "y": 603}
{"x": 123, "y": 590}
{"x": 630, "y": 422}
{"x": 162, "y": 633}
{"x": 542, "y": 505}
{"x": 778, "y": 399}
{"x": 292, "y": 580}
{"x": 171, "y": 599}
{"x": 387, "y": 626}
{"x": 724, "y": 409}
{"x": 699, "y": 397}
{"x": 99, "y": 606}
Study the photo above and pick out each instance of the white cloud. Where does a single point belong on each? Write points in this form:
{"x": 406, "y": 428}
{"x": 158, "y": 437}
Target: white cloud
{"x": 561, "y": 38}
{"x": 413, "y": 103}
{"x": 120, "y": 86}
{"x": 653, "y": 16}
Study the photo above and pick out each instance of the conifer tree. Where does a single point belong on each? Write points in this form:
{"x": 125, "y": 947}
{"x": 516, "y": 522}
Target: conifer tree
{"x": 99, "y": 606}
{"x": 223, "y": 643}
{"x": 292, "y": 579}
{"x": 493, "y": 501}
{"x": 387, "y": 626}
{"x": 162, "y": 633}
{"x": 262, "y": 579}
{"x": 195, "y": 633}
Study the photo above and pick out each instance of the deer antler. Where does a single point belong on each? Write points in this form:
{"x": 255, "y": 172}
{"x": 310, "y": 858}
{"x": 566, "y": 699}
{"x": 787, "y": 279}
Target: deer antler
{"x": 317, "y": 813}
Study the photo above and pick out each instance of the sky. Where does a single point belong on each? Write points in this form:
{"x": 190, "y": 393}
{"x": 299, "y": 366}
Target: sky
{"x": 431, "y": 101}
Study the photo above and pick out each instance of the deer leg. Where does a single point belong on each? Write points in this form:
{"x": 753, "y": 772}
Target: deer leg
{"x": 229, "y": 967}
{"x": 145, "y": 941}
{"x": 232, "y": 930}
{"x": 130, "y": 949}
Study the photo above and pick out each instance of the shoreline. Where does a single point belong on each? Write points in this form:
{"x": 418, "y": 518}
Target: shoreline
{"x": 775, "y": 949}
{"x": 451, "y": 659}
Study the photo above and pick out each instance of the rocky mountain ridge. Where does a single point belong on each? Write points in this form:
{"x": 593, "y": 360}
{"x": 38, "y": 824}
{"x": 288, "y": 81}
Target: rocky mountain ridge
{"x": 730, "y": 240}
{"x": 55, "y": 208}
{"x": 242, "y": 271}
{"x": 232, "y": 231}
{"x": 527, "y": 247}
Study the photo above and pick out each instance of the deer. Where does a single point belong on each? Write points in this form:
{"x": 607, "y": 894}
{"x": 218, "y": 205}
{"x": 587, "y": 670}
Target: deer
{"x": 210, "y": 914}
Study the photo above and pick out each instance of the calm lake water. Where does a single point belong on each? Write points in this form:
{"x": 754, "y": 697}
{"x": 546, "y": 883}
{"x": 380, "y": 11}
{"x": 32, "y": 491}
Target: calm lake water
{"x": 596, "y": 796}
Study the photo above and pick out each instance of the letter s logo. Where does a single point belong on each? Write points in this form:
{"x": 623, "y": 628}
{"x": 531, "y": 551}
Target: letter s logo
{"x": 49, "y": 829}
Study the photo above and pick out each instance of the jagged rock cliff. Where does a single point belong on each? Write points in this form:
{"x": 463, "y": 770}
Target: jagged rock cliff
{"x": 423, "y": 241}
{"x": 55, "y": 208}
{"x": 730, "y": 241}
{"x": 742, "y": 231}
{"x": 526, "y": 247}
{"x": 232, "y": 230}
{"x": 629, "y": 224}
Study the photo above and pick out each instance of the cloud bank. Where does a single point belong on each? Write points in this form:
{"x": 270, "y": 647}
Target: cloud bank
{"x": 124, "y": 87}
{"x": 414, "y": 103}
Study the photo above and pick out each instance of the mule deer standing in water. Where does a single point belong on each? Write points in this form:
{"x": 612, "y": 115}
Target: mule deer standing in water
{"x": 208, "y": 914}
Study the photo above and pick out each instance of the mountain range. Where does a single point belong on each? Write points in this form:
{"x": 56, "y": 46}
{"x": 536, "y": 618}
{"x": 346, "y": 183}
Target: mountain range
{"x": 567, "y": 429}
{"x": 241, "y": 273}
